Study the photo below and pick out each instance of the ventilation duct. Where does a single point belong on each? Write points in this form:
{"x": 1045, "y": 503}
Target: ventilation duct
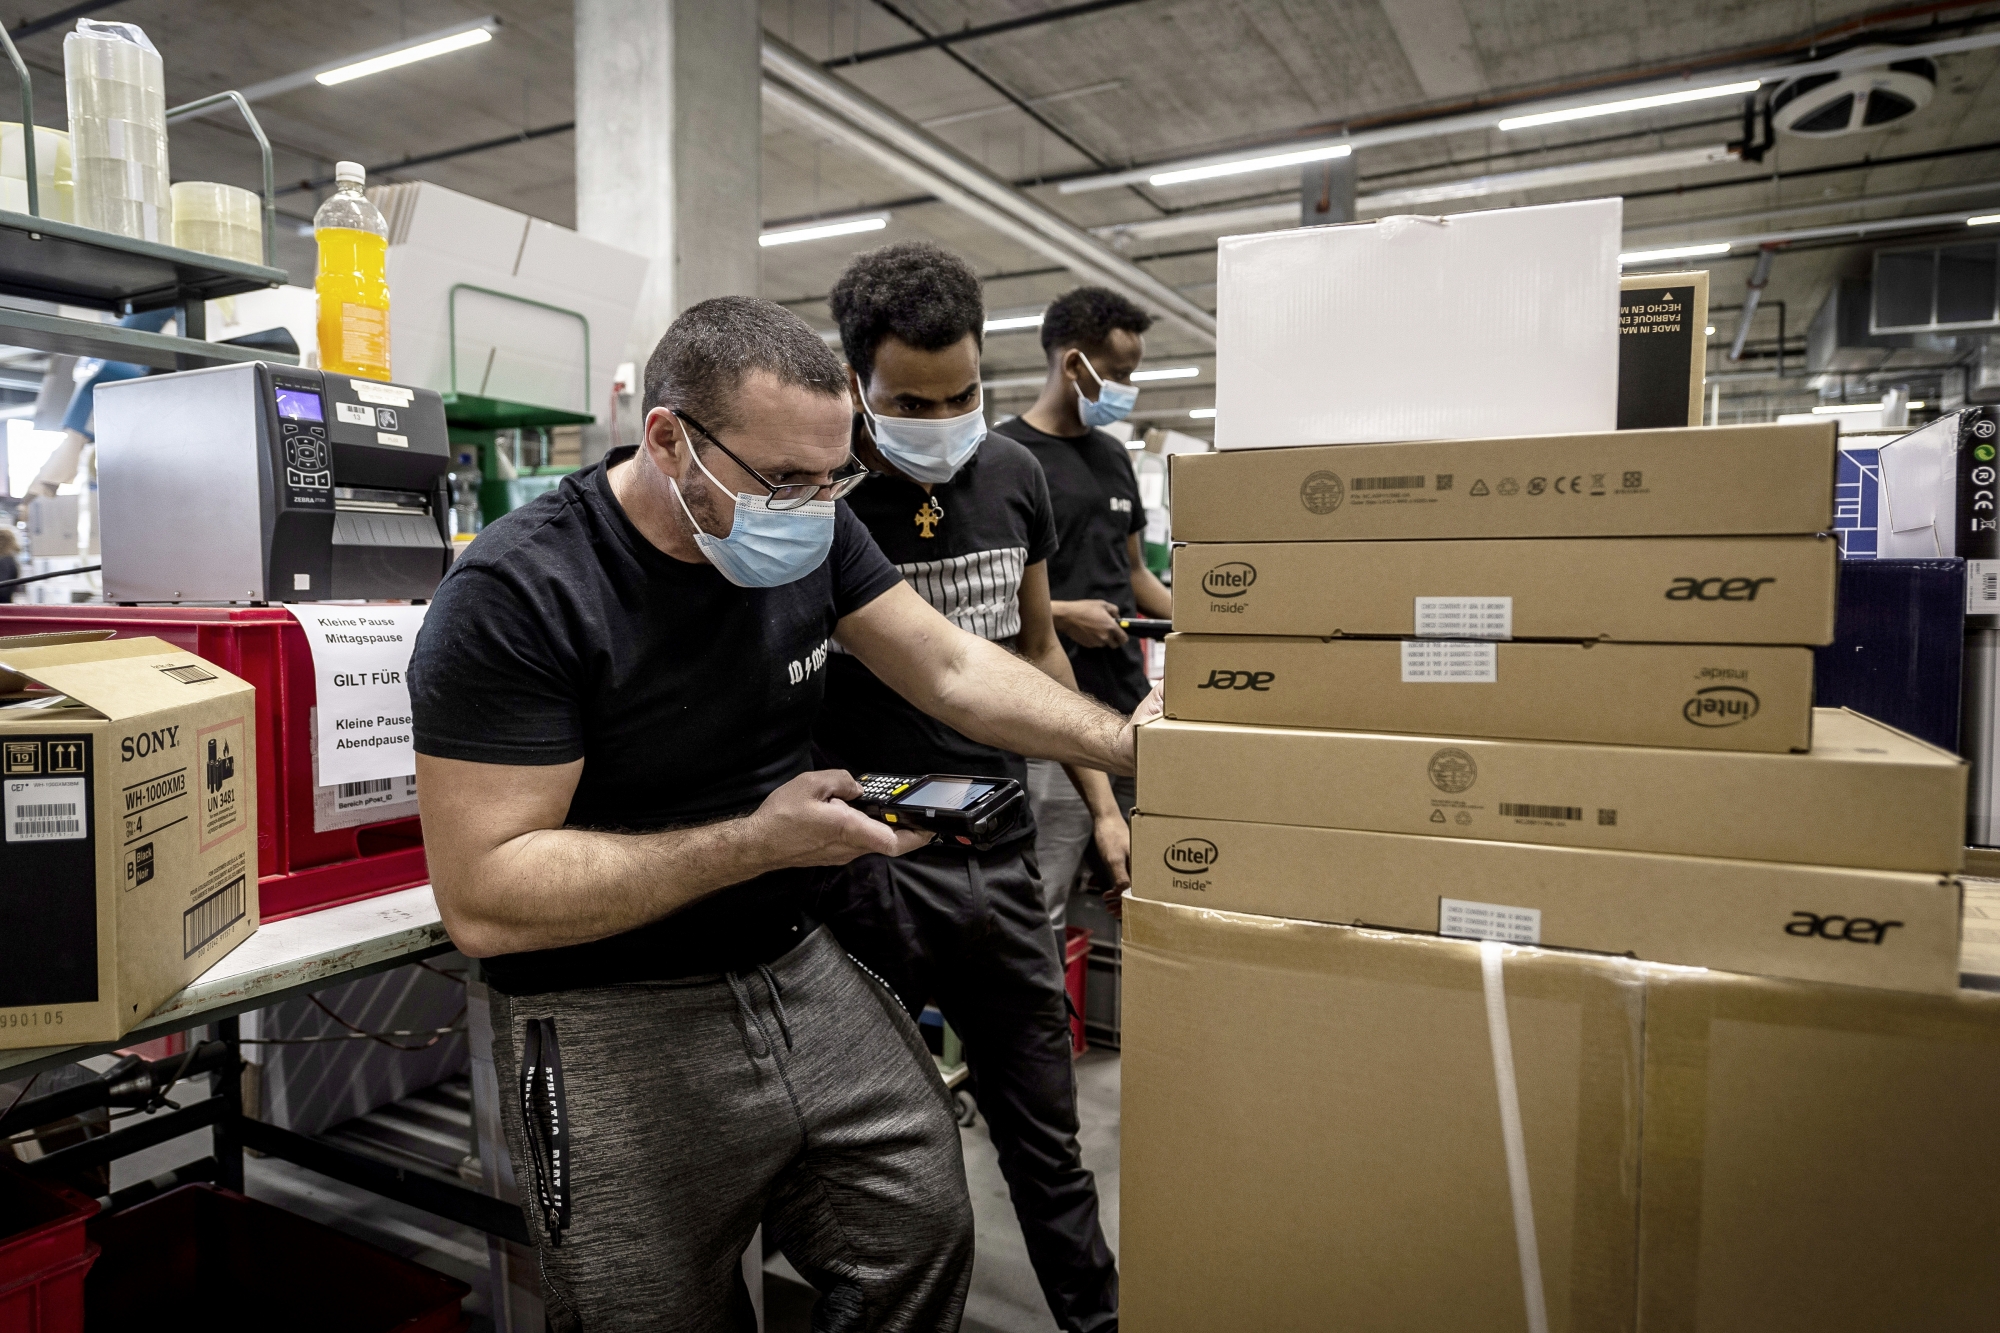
{"x": 1937, "y": 288}
{"x": 1832, "y": 103}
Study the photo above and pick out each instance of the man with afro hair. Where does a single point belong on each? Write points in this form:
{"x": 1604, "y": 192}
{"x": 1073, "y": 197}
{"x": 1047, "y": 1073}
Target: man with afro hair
{"x": 965, "y": 517}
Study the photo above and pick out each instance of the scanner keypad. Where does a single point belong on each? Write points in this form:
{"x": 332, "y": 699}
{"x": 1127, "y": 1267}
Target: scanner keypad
{"x": 880, "y": 787}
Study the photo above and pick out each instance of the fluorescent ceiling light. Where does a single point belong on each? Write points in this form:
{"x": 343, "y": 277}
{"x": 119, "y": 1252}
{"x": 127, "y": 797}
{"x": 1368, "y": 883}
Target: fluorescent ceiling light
{"x": 1201, "y": 413}
{"x": 1985, "y": 220}
{"x": 1246, "y": 164}
{"x": 408, "y": 55}
{"x": 1177, "y": 373}
{"x": 1011, "y": 322}
{"x": 819, "y": 231}
{"x": 1674, "y": 252}
{"x": 1709, "y": 331}
{"x": 1836, "y": 409}
{"x": 1630, "y": 104}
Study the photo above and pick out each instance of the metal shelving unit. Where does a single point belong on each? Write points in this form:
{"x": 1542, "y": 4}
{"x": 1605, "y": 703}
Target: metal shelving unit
{"x": 44, "y": 259}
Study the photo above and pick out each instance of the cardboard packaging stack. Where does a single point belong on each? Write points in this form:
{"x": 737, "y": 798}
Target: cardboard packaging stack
{"x": 1511, "y": 942}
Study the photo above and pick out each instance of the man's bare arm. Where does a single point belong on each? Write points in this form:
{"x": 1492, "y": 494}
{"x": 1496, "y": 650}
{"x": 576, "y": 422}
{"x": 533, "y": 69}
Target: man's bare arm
{"x": 509, "y": 877}
{"x": 1148, "y": 593}
{"x": 981, "y": 689}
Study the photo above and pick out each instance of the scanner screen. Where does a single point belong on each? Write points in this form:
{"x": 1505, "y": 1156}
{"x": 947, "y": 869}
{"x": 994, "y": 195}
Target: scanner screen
{"x": 952, "y": 795}
{"x": 299, "y": 405}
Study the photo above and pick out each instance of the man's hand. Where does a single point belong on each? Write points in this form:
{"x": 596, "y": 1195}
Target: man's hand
{"x": 1114, "y": 843}
{"x": 1092, "y": 622}
{"x": 1149, "y": 708}
{"x": 807, "y": 822}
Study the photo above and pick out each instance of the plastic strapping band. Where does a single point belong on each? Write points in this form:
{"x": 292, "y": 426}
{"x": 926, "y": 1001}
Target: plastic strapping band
{"x": 1510, "y": 1134}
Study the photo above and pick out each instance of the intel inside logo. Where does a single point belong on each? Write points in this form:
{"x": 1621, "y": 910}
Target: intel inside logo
{"x": 1720, "y": 706}
{"x": 1191, "y": 856}
{"x": 1230, "y": 580}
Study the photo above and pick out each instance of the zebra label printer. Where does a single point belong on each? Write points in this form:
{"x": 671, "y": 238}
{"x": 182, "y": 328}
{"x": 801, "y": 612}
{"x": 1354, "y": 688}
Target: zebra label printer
{"x": 269, "y": 483}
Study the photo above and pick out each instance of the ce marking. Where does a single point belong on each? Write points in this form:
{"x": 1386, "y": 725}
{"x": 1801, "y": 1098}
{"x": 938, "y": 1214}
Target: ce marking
{"x": 1575, "y": 485}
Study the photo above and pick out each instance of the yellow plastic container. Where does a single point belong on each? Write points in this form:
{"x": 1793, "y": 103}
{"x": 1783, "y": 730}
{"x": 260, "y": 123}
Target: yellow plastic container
{"x": 353, "y": 280}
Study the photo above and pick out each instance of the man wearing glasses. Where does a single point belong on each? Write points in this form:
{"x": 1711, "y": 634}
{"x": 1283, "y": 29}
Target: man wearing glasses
{"x": 614, "y": 694}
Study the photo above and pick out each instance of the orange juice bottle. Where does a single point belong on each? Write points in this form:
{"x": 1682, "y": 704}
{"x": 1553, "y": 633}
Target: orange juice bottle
{"x": 353, "y": 280}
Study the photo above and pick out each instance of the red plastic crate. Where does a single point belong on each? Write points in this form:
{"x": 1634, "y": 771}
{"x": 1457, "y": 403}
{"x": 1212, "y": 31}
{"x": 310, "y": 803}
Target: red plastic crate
{"x": 297, "y": 869}
{"x": 227, "y": 1262}
{"x": 1076, "y": 975}
{"x": 44, "y": 1255}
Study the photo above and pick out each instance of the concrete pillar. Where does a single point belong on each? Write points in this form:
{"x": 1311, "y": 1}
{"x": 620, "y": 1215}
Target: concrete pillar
{"x": 668, "y": 132}
{"x": 1326, "y": 192}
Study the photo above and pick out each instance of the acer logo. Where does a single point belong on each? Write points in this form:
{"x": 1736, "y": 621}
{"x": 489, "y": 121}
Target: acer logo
{"x": 1230, "y": 580}
{"x": 1715, "y": 590}
{"x": 1853, "y": 929}
{"x": 1191, "y": 855}
{"x": 148, "y": 742}
{"x": 1238, "y": 680}
{"x": 1720, "y": 706}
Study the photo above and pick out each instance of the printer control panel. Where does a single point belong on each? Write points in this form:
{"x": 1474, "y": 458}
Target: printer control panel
{"x": 307, "y": 455}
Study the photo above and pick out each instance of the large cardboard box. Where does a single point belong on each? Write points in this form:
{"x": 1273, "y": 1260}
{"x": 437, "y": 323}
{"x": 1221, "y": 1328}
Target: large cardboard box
{"x": 1777, "y": 590}
{"x": 1702, "y": 696}
{"x": 1334, "y": 1128}
{"x": 1711, "y": 481}
{"x": 1405, "y": 328}
{"x": 128, "y": 852}
{"x": 1885, "y": 928}
{"x": 1865, "y": 795}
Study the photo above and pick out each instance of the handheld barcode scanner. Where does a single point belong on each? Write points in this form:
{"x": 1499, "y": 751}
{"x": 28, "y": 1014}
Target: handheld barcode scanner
{"x": 973, "y": 812}
{"x": 1140, "y": 627}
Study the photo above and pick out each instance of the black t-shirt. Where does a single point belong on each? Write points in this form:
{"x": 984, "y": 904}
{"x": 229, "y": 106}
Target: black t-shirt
{"x": 963, "y": 547}
{"x": 1096, "y": 497}
{"x": 563, "y": 634}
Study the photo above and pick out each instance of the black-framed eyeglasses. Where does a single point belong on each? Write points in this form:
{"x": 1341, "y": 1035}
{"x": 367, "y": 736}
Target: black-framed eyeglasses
{"x": 790, "y": 496}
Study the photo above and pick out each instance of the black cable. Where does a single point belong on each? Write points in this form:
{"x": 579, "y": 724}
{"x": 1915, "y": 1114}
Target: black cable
{"x": 52, "y": 574}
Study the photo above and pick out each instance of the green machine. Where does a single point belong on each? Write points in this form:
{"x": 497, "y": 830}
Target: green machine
{"x": 501, "y": 448}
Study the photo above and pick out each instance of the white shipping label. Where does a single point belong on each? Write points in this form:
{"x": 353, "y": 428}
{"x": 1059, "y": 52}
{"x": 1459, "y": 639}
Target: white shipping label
{"x": 388, "y": 395}
{"x": 1982, "y": 587}
{"x": 45, "y": 809}
{"x": 1449, "y": 661}
{"x": 361, "y": 664}
{"x": 1465, "y": 617}
{"x": 1489, "y": 921}
{"x": 352, "y": 804}
{"x": 353, "y": 414}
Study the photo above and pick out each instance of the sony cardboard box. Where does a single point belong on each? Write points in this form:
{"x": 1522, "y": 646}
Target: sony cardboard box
{"x": 1662, "y": 349}
{"x": 128, "y": 854}
{"x": 1892, "y": 929}
{"x": 1405, "y": 328}
{"x": 1865, "y": 795}
{"x": 1711, "y": 481}
{"x": 1772, "y": 590}
{"x": 1703, "y": 696}
{"x": 1327, "y": 1127}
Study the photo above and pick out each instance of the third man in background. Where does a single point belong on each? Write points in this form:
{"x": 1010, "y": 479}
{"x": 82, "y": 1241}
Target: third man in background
{"x": 1094, "y": 339}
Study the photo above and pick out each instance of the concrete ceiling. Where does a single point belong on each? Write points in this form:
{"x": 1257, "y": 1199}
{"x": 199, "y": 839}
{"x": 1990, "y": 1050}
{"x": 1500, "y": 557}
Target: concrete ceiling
{"x": 1117, "y": 86}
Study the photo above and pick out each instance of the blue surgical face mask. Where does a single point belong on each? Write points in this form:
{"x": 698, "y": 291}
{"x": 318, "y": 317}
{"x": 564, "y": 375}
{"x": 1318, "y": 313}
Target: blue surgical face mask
{"x": 765, "y": 548}
{"x": 1113, "y": 402}
{"x": 924, "y": 449}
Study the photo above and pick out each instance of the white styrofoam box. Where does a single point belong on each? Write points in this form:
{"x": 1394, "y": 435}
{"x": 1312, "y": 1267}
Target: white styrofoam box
{"x": 1476, "y": 324}
{"x": 293, "y": 309}
{"x": 516, "y": 351}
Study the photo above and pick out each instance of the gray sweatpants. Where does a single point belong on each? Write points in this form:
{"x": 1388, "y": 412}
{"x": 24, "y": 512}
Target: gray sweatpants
{"x": 799, "y": 1095}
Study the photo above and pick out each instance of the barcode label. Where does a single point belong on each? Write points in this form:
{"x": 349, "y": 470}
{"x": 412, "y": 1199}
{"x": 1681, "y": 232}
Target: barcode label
{"x": 1449, "y": 661}
{"x": 348, "y": 790}
{"x": 1508, "y": 811}
{"x": 1982, "y": 587}
{"x": 45, "y": 809}
{"x": 1465, "y": 617}
{"x": 188, "y": 674}
{"x": 211, "y": 916}
{"x": 1489, "y": 921}
{"x": 1415, "y": 483}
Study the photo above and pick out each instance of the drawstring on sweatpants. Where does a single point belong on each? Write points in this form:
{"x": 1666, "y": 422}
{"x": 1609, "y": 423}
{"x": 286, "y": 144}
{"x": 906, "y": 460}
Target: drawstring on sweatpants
{"x": 777, "y": 1002}
{"x": 758, "y": 1037}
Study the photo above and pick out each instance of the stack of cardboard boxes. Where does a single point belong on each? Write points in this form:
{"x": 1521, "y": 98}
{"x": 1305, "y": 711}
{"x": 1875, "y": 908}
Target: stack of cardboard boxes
{"x": 1511, "y": 944}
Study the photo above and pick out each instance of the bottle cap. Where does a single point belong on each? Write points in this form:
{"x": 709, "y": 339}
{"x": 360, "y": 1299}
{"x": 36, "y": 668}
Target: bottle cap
{"x": 349, "y": 171}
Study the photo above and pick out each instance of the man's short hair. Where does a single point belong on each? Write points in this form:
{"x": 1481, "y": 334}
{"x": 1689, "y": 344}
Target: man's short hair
{"x": 702, "y": 359}
{"x": 1085, "y": 316}
{"x": 917, "y": 292}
